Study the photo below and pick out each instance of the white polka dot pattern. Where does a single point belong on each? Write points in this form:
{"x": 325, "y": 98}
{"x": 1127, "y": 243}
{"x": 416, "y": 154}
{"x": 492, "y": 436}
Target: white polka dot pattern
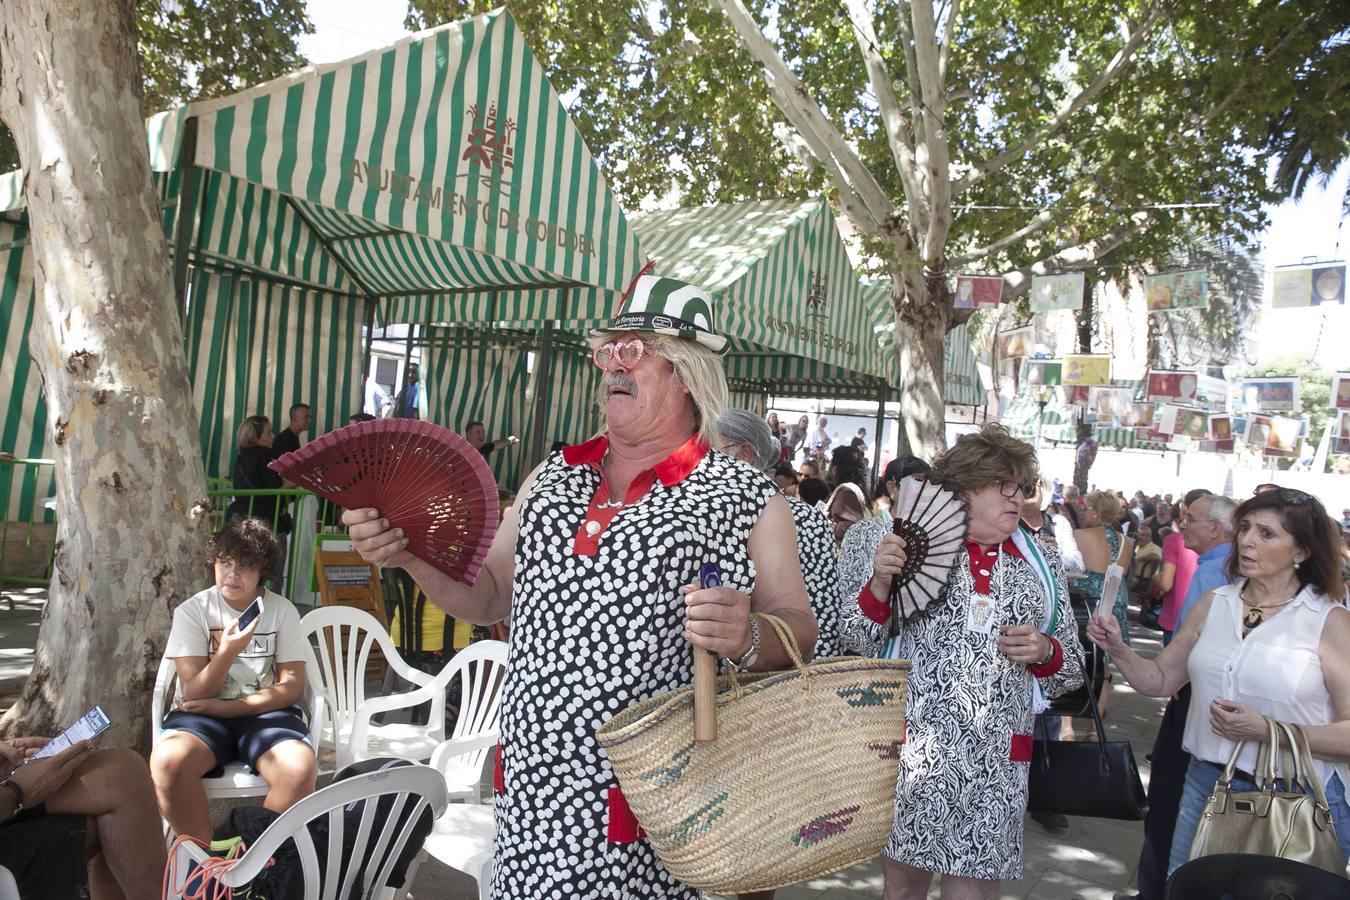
{"x": 590, "y": 636}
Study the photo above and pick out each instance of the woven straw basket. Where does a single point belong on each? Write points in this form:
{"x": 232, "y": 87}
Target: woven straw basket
{"x": 799, "y": 783}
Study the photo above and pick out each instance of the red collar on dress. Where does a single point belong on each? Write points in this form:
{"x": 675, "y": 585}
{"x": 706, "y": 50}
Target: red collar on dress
{"x": 982, "y": 562}
{"x": 671, "y": 470}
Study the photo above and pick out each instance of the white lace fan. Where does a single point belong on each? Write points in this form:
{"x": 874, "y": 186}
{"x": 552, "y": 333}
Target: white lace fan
{"x": 932, "y": 520}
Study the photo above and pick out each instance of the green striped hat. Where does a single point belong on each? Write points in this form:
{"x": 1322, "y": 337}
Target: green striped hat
{"x": 667, "y": 306}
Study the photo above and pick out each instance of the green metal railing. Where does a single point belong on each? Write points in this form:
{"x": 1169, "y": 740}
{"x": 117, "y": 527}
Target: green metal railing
{"x": 27, "y": 547}
{"x": 281, "y": 509}
{"x": 19, "y": 480}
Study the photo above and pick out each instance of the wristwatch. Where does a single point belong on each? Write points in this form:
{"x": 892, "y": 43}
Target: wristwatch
{"x": 18, "y": 797}
{"x": 750, "y": 656}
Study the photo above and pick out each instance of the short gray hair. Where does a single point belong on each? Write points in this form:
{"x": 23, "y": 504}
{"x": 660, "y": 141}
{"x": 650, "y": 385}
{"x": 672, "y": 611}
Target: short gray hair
{"x": 740, "y": 426}
{"x": 1221, "y": 512}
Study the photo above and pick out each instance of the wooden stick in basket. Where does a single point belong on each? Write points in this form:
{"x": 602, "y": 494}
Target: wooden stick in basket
{"x": 705, "y": 673}
{"x": 705, "y": 696}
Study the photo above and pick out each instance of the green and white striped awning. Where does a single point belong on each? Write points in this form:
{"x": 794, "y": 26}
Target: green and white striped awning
{"x": 785, "y": 293}
{"x": 442, "y": 171}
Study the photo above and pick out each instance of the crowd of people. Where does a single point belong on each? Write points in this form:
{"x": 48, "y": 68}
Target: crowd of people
{"x": 596, "y": 569}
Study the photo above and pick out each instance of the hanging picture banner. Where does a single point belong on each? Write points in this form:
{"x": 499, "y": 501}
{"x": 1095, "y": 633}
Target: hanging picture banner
{"x": 1110, "y": 402}
{"x": 1340, "y": 391}
{"x": 1015, "y": 342}
{"x": 1139, "y": 414}
{"x": 1175, "y": 386}
{"x": 1258, "y": 432}
{"x": 1063, "y": 291}
{"x": 978, "y": 291}
{"x": 1037, "y": 372}
{"x": 1188, "y": 289}
{"x": 1340, "y": 438}
{"x": 1167, "y": 421}
{"x": 1270, "y": 394}
{"x": 1087, "y": 369}
{"x": 1294, "y": 286}
{"x": 1074, "y": 395}
{"x": 1240, "y": 424}
{"x": 1284, "y": 433}
{"x": 1220, "y": 433}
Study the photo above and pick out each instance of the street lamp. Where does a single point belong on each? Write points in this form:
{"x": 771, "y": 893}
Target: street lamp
{"x": 1042, "y": 398}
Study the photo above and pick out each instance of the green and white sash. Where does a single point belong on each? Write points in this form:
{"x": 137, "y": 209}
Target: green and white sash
{"x": 1031, "y": 552}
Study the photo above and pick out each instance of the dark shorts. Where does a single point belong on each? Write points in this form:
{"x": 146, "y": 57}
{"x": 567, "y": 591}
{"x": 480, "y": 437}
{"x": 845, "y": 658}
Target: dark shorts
{"x": 244, "y": 738}
{"x": 45, "y": 853}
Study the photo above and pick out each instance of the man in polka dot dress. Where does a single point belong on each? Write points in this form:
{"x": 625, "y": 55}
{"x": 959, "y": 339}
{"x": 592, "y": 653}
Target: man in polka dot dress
{"x": 597, "y": 566}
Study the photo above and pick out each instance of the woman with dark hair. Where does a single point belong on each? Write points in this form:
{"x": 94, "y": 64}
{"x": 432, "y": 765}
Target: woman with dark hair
{"x": 896, "y": 471}
{"x": 1272, "y": 643}
{"x": 847, "y": 466}
{"x": 997, "y": 641}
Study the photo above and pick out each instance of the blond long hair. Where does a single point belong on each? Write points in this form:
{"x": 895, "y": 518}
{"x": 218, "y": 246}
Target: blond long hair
{"x": 699, "y": 370}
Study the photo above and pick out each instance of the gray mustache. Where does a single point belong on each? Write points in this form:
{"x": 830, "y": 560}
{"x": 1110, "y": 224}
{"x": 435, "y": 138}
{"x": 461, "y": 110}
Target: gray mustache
{"x": 621, "y": 380}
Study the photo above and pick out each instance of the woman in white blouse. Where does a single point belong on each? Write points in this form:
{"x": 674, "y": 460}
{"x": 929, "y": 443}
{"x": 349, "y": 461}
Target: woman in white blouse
{"x": 1272, "y": 643}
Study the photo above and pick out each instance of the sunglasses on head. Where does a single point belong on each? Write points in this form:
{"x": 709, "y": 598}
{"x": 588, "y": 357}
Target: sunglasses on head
{"x": 1293, "y": 496}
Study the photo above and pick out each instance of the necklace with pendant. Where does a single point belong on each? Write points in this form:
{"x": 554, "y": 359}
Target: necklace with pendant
{"x": 1255, "y": 614}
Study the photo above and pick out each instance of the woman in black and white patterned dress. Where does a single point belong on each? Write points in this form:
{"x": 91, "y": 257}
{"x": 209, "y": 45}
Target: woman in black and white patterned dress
{"x": 977, "y": 651}
{"x": 746, "y": 437}
{"x": 598, "y": 567}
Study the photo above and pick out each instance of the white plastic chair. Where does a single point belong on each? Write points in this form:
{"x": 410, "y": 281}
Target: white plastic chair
{"x": 9, "y": 888}
{"x": 481, "y": 668}
{"x": 411, "y": 788}
{"x": 236, "y": 781}
{"x": 463, "y": 835}
{"x": 343, "y": 638}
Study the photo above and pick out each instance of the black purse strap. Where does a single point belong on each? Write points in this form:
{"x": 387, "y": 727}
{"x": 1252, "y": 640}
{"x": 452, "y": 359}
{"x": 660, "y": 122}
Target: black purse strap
{"x": 1092, "y": 704}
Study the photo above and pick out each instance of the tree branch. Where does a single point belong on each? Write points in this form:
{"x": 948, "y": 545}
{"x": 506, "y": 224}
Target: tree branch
{"x": 948, "y": 38}
{"x": 898, "y": 130}
{"x": 1117, "y": 65}
{"x": 1041, "y": 220}
{"x": 806, "y": 116}
{"x": 815, "y": 149}
{"x": 1073, "y": 258}
{"x": 911, "y": 73}
{"x": 932, "y": 154}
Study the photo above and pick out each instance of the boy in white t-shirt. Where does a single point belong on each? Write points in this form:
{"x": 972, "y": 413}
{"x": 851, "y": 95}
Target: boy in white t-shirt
{"x": 238, "y": 690}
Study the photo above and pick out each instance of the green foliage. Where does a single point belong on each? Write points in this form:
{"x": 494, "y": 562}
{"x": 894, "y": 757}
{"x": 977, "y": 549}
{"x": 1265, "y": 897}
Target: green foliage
{"x": 198, "y": 49}
{"x": 668, "y": 98}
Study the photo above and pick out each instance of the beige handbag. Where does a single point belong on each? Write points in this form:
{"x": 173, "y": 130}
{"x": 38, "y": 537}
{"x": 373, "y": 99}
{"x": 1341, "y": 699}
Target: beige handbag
{"x": 1292, "y": 824}
{"x": 800, "y": 781}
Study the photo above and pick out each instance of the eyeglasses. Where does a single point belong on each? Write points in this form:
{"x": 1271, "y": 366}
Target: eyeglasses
{"x": 624, "y": 354}
{"x": 1010, "y": 489}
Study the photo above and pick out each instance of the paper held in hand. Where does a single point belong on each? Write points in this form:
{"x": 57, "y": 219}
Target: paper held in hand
{"x": 1110, "y": 587}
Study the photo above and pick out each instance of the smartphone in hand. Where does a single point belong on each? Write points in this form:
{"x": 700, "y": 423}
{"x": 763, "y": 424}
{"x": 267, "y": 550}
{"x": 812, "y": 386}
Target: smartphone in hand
{"x": 89, "y": 726}
{"x": 252, "y": 612}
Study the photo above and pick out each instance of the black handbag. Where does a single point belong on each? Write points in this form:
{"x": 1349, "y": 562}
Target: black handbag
{"x": 1086, "y": 778}
{"x": 1076, "y": 702}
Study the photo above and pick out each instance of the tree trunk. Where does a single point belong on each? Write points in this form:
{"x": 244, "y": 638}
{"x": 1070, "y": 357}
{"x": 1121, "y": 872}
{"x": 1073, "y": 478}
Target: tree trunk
{"x": 920, "y": 342}
{"x": 131, "y": 491}
{"x": 1084, "y": 318}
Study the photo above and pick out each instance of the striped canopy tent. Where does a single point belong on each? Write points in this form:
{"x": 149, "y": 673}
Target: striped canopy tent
{"x": 440, "y": 173}
{"x": 784, "y": 294}
{"x": 961, "y": 375}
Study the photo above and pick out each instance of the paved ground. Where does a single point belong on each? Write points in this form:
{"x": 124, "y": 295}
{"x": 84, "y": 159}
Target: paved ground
{"x": 1093, "y": 860}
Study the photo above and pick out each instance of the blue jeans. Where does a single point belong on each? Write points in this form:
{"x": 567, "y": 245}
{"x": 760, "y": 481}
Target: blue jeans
{"x": 1200, "y": 780}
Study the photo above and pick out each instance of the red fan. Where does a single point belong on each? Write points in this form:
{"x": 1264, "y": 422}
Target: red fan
{"x": 423, "y": 478}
